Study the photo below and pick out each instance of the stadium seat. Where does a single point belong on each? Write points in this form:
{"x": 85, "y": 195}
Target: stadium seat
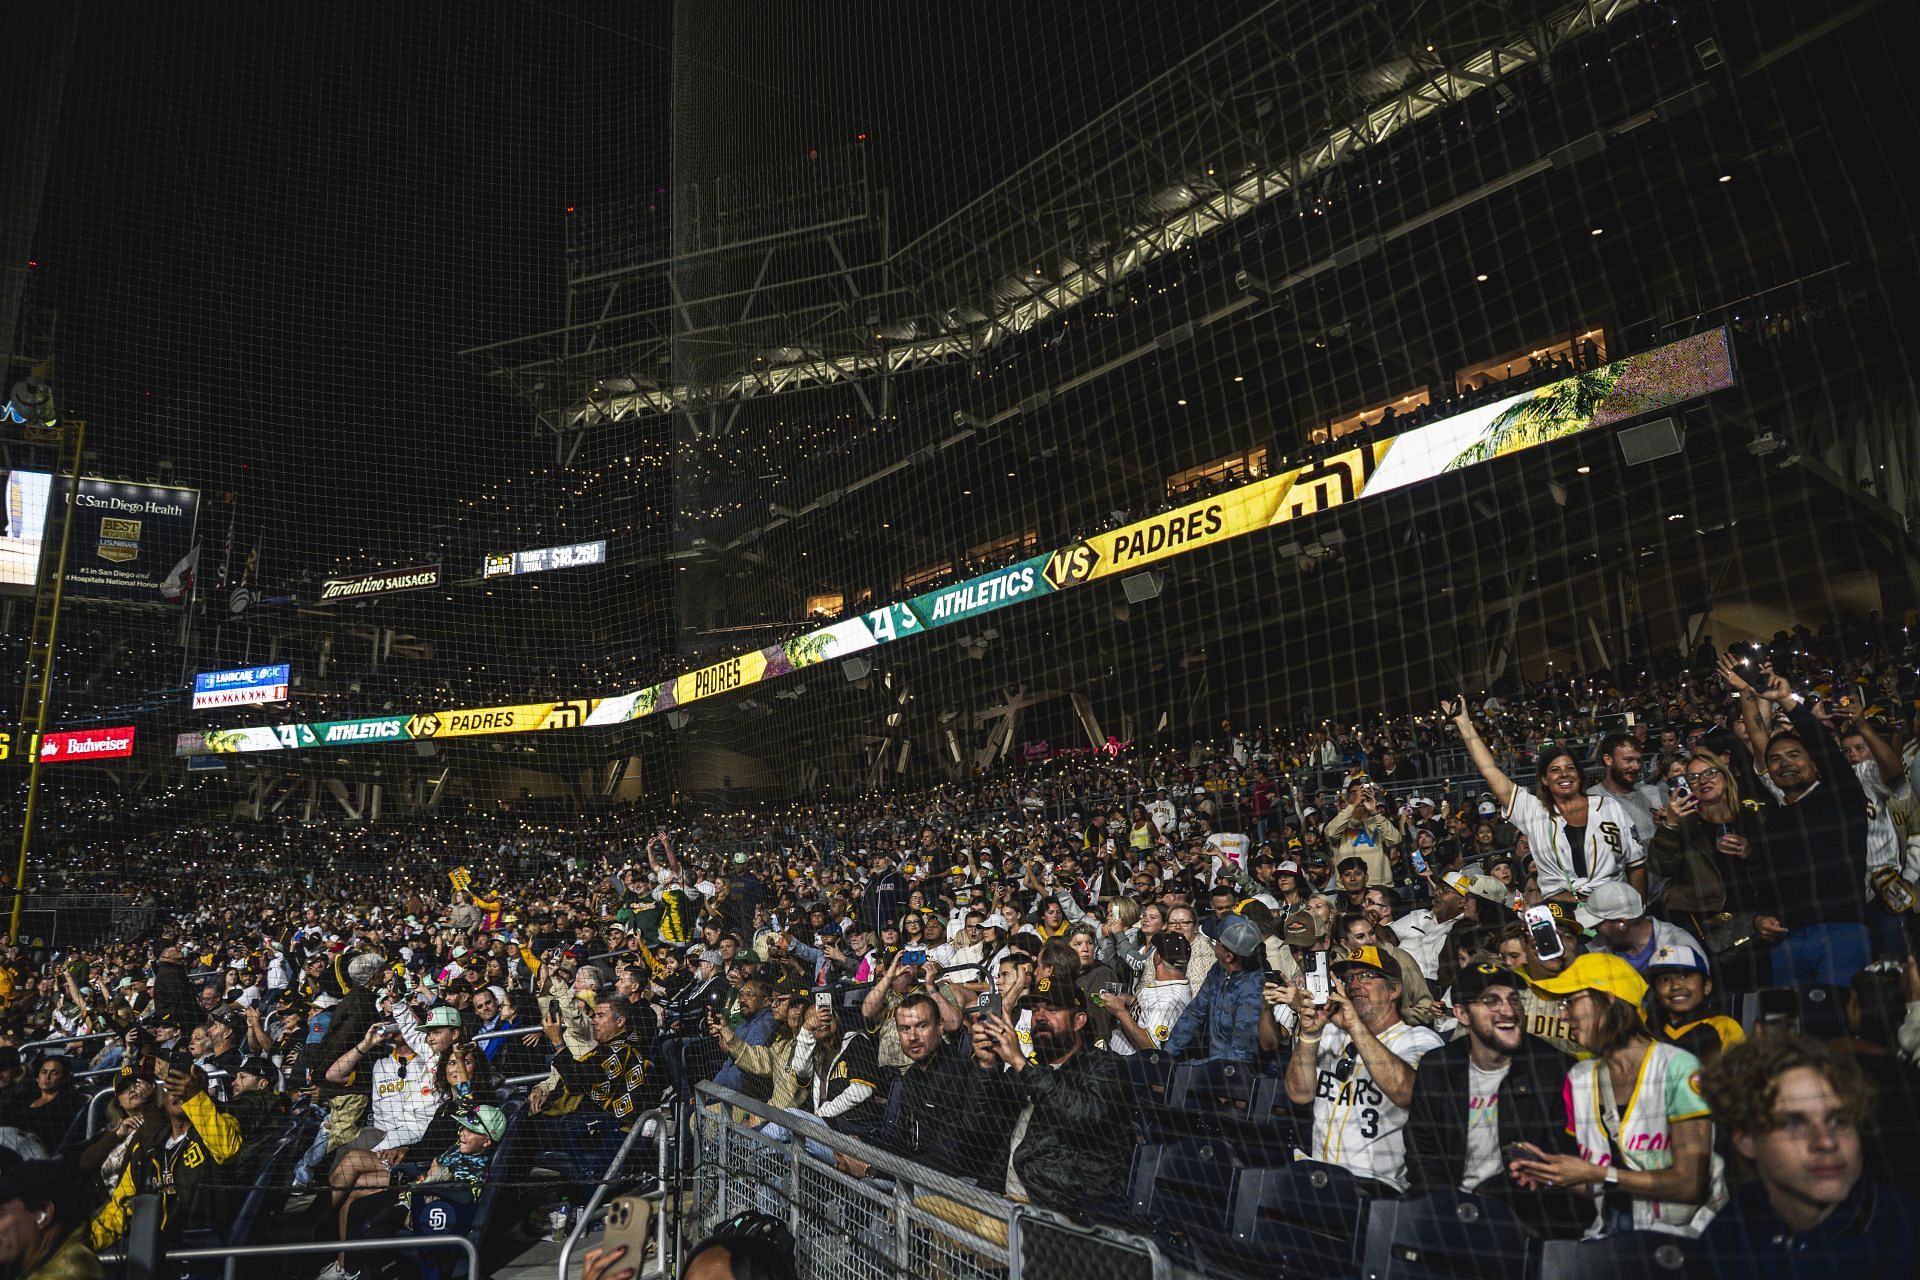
{"x": 1150, "y": 1076}
{"x": 1447, "y": 1236}
{"x": 1631, "y": 1255}
{"x": 1217, "y": 1096}
{"x": 1271, "y": 1135}
{"x": 1310, "y": 1215}
{"x": 1180, "y": 1190}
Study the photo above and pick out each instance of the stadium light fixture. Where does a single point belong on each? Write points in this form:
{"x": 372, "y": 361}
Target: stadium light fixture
{"x": 1482, "y": 277}
{"x": 1726, "y": 177}
{"x": 1180, "y": 402}
{"x": 1584, "y": 470}
{"x": 1599, "y": 230}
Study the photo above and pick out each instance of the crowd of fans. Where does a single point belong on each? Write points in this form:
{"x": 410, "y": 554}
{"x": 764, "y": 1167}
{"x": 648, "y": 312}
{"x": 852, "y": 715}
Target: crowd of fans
{"x": 1623, "y": 953}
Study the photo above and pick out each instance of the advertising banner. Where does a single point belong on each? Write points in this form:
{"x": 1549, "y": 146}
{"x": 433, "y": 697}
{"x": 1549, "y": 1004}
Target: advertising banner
{"x": 380, "y": 582}
{"x": 1639, "y": 384}
{"x": 290, "y": 737}
{"x": 983, "y": 594}
{"x": 245, "y": 687}
{"x": 87, "y": 744}
{"x": 474, "y": 722}
{"x": 127, "y": 538}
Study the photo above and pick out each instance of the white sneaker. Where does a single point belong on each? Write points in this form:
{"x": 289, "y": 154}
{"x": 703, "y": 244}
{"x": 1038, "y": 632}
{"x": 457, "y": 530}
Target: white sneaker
{"x": 334, "y": 1271}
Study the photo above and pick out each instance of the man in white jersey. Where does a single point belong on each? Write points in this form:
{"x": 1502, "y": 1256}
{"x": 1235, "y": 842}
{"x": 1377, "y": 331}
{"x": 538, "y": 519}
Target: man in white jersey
{"x": 1883, "y": 776}
{"x": 1354, "y": 1060}
{"x": 1142, "y": 1023}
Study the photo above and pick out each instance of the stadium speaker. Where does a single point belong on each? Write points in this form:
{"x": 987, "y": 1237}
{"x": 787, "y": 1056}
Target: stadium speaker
{"x": 1142, "y": 587}
{"x": 857, "y": 669}
{"x": 1651, "y": 441}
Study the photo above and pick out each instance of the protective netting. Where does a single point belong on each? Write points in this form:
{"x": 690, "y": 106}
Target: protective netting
{"x": 1162, "y": 622}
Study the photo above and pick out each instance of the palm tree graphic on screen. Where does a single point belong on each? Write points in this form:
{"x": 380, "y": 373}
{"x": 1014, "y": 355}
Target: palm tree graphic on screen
{"x": 1558, "y": 409}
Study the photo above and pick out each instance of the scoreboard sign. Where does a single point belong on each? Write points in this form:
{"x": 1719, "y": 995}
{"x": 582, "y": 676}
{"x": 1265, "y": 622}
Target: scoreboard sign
{"x": 245, "y": 687}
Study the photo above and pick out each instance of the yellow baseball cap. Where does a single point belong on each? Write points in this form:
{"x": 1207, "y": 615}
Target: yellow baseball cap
{"x": 1596, "y": 971}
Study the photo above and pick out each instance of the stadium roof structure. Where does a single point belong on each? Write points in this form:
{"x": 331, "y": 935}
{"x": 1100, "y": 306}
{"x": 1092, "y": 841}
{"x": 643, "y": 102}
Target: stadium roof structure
{"x": 1269, "y": 110}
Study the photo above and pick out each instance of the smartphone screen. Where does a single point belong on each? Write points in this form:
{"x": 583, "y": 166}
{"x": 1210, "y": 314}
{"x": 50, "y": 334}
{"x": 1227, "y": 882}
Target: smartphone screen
{"x": 1547, "y": 943}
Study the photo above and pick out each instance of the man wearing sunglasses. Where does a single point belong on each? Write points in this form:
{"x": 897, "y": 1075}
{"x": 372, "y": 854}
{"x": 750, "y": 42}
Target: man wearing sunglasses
{"x": 1477, "y": 1096}
{"x": 1353, "y": 1060}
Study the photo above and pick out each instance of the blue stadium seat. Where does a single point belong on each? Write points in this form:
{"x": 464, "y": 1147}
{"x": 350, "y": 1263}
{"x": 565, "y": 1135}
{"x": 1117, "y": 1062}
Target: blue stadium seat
{"x": 1631, "y": 1255}
{"x": 1180, "y": 1190}
{"x": 1275, "y": 1124}
{"x": 1307, "y": 1214}
{"x": 1447, "y": 1236}
{"x": 1150, "y": 1076}
{"x": 1215, "y": 1097}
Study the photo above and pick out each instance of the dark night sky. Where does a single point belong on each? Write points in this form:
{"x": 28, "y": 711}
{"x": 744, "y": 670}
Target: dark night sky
{"x": 269, "y": 229}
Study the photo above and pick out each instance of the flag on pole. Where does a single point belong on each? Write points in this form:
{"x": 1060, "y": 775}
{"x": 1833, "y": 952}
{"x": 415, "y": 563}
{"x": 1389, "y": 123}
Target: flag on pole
{"x": 180, "y": 581}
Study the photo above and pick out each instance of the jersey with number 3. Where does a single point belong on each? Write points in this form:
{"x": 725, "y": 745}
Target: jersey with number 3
{"x": 1355, "y": 1124}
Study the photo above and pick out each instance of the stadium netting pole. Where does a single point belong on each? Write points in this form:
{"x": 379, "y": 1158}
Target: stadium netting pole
{"x": 45, "y": 674}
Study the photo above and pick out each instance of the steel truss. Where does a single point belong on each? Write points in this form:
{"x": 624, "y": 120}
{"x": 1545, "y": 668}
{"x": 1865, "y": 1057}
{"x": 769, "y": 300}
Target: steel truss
{"x": 1265, "y": 112}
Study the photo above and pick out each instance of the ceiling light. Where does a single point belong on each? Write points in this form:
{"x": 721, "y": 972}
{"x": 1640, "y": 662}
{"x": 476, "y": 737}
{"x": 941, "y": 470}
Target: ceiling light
{"x": 1482, "y": 277}
{"x": 1598, "y": 230}
{"x": 1726, "y": 177}
{"x": 1584, "y": 470}
{"x": 1239, "y": 377}
{"x": 1179, "y": 401}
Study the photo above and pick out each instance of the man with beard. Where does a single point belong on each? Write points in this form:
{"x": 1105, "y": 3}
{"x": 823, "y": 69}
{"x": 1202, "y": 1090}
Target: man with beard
{"x": 1353, "y": 1060}
{"x": 1072, "y": 1136}
{"x": 1620, "y": 765}
{"x": 1474, "y": 1097}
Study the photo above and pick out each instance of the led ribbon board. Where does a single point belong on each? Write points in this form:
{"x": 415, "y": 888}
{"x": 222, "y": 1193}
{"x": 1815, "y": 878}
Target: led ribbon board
{"x": 243, "y": 687}
{"x": 1651, "y": 380}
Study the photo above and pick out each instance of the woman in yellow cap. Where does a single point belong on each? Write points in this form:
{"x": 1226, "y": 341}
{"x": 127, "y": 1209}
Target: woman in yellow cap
{"x": 1645, "y": 1135}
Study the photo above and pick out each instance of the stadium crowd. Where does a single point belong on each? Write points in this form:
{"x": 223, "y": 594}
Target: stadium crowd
{"x": 1619, "y": 953}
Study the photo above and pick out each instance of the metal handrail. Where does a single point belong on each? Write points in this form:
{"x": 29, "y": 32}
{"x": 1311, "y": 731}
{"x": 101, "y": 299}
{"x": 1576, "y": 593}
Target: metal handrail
{"x": 94, "y": 1109}
{"x": 404, "y": 1244}
{"x": 63, "y": 1041}
{"x": 885, "y": 1162}
{"x": 594, "y": 1201}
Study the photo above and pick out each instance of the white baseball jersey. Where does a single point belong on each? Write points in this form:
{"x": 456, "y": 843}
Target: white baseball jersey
{"x": 1610, "y": 846}
{"x": 1161, "y": 1004}
{"x": 1883, "y": 842}
{"x": 1355, "y": 1124}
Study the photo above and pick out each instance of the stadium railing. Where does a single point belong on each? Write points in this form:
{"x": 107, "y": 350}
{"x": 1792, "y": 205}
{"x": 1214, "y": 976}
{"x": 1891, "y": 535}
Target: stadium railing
{"x": 667, "y": 1128}
{"x": 905, "y": 1220}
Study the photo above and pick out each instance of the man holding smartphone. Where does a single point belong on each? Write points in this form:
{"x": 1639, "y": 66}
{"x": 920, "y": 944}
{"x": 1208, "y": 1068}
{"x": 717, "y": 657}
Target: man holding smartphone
{"x": 1353, "y": 1061}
